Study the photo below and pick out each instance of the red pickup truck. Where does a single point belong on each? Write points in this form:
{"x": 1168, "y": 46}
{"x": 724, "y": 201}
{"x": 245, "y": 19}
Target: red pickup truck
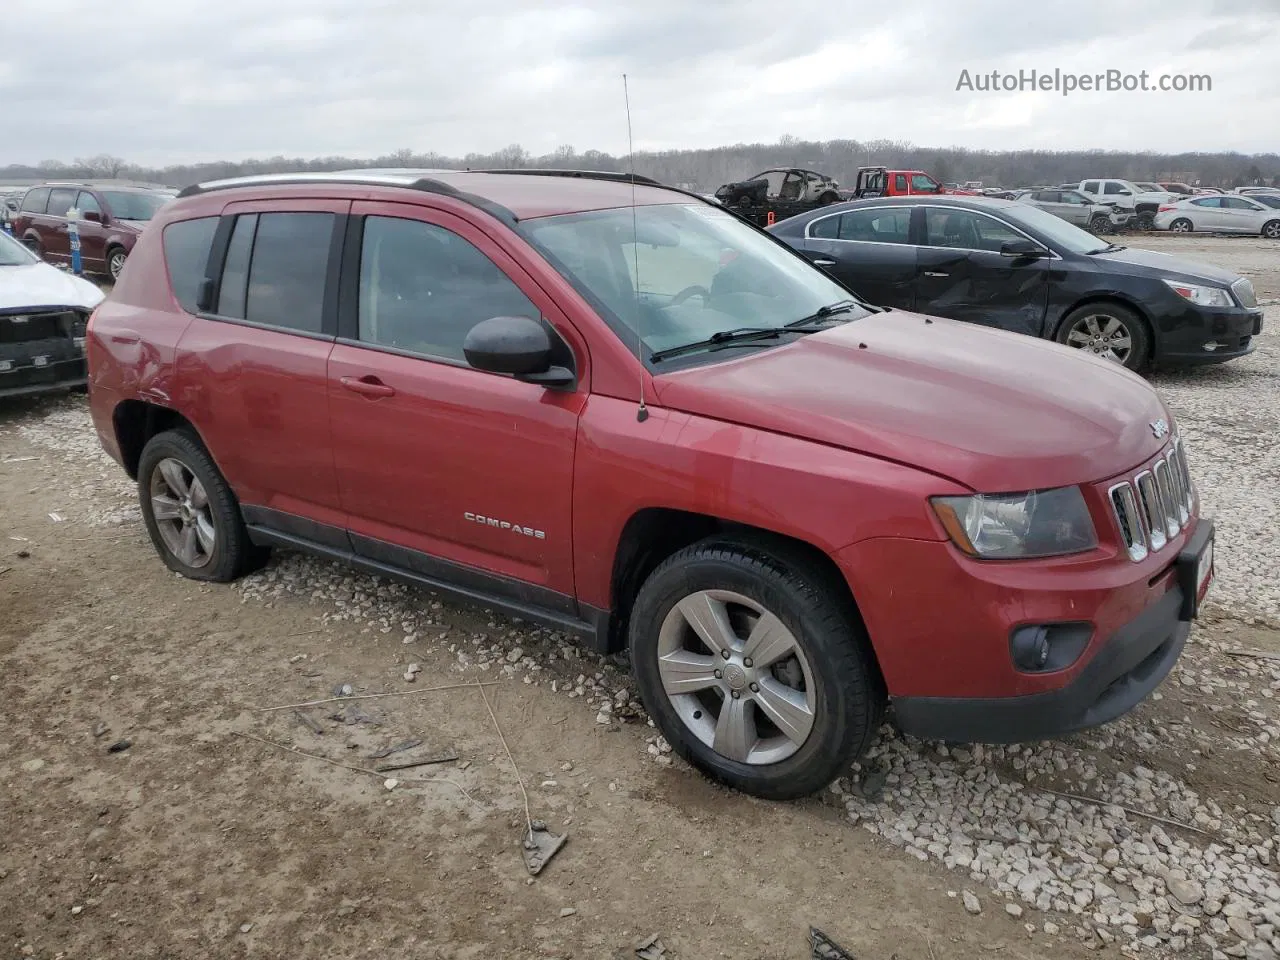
{"x": 616, "y": 409}
{"x": 882, "y": 182}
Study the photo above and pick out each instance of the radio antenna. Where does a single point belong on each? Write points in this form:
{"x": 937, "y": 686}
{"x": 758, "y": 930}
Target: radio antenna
{"x": 642, "y": 412}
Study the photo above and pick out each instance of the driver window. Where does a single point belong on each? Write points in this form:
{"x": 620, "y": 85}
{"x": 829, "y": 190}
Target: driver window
{"x": 792, "y": 187}
{"x": 922, "y": 184}
{"x": 422, "y": 288}
{"x": 966, "y": 230}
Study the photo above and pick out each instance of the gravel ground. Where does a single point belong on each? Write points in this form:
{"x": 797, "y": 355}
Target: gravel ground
{"x": 1155, "y": 834}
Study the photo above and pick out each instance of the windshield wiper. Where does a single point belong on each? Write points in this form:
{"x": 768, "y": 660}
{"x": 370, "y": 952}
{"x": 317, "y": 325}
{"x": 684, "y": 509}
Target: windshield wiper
{"x": 739, "y": 336}
{"x": 830, "y": 310}
{"x": 1109, "y": 248}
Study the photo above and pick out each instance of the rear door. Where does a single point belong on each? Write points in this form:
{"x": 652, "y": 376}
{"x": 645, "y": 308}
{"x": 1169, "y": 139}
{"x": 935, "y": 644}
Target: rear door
{"x": 964, "y": 276}
{"x": 868, "y": 250}
{"x": 447, "y": 470}
{"x": 253, "y": 365}
{"x": 53, "y": 225}
{"x": 1206, "y": 213}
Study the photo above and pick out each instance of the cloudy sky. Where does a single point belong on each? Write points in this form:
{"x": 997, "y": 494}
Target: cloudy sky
{"x": 159, "y": 81}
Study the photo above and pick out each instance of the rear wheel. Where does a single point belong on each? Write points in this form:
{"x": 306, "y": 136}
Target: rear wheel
{"x": 1110, "y": 331}
{"x": 1271, "y": 229}
{"x": 756, "y": 670}
{"x": 190, "y": 511}
{"x": 1181, "y": 225}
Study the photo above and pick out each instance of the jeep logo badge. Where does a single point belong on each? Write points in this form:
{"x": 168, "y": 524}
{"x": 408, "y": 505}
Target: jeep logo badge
{"x": 1159, "y": 428}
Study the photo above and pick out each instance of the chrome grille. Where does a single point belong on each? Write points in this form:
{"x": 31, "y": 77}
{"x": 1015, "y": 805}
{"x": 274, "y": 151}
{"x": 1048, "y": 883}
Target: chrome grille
{"x": 1243, "y": 290}
{"x": 1153, "y": 507}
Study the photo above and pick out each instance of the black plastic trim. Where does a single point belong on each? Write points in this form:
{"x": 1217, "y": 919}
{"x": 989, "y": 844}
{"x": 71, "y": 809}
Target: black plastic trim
{"x": 268, "y": 527}
{"x": 333, "y": 276}
{"x": 349, "y": 280}
{"x": 616, "y": 176}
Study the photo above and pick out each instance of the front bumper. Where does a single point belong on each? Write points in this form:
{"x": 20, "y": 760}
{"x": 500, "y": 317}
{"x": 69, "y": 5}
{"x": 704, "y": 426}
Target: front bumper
{"x": 1123, "y": 672}
{"x": 1192, "y": 334}
{"x": 25, "y": 372}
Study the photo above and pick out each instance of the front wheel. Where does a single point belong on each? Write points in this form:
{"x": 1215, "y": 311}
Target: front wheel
{"x": 1100, "y": 224}
{"x": 1109, "y": 331}
{"x": 1271, "y": 229}
{"x": 115, "y": 262}
{"x": 756, "y": 670}
{"x": 190, "y": 511}
{"x": 1181, "y": 225}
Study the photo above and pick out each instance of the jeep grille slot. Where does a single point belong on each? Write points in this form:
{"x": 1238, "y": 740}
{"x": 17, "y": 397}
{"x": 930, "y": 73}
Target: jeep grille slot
{"x": 1125, "y": 504}
{"x": 1156, "y": 504}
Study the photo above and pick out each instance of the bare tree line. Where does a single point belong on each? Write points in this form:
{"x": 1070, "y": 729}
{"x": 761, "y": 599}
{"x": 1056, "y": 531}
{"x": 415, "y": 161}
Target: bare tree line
{"x": 705, "y": 169}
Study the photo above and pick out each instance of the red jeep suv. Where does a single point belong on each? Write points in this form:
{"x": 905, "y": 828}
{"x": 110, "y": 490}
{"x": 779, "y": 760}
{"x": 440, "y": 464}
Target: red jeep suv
{"x": 616, "y": 409}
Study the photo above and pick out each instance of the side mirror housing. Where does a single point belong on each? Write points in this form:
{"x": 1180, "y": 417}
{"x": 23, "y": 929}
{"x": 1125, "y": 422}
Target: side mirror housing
{"x": 91, "y": 216}
{"x": 517, "y": 346}
{"x": 1022, "y": 250}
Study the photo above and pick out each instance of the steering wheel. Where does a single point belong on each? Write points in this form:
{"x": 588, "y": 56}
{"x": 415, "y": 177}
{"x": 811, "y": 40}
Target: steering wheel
{"x": 695, "y": 290}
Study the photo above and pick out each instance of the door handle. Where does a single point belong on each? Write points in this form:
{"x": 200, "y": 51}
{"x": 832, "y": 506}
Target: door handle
{"x": 935, "y": 273}
{"x": 823, "y": 262}
{"x": 368, "y": 385}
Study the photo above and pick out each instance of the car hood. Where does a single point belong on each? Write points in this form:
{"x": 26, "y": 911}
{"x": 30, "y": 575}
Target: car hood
{"x": 995, "y": 411}
{"x": 1163, "y": 265}
{"x": 40, "y": 285}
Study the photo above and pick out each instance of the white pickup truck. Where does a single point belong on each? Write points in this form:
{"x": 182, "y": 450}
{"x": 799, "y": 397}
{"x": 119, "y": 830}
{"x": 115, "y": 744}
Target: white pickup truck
{"x": 1127, "y": 195}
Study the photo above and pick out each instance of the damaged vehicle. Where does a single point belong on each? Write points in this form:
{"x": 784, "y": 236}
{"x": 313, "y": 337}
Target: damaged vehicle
{"x": 783, "y": 192}
{"x": 43, "y": 314}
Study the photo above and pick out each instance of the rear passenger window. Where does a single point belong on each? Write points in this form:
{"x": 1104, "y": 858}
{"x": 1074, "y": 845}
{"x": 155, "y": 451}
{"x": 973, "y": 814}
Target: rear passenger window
{"x": 186, "y": 255}
{"x": 35, "y": 200}
{"x": 422, "y": 288}
{"x": 287, "y": 255}
{"x": 60, "y": 201}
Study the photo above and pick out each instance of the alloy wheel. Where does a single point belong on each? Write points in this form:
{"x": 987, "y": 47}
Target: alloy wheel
{"x": 737, "y": 677}
{"x": 1180, "y": 226}
{"x": 1272, "y": 230}
{"x": 182, "y": 513}
{"x": 1102, "y": 335}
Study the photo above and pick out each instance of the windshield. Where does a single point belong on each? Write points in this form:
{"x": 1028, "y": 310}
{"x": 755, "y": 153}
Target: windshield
{"x": 1056, "y": 232}
{"x": 13, "y": 253}
{"x": 697, "y": 271}
{"x": 131, "y": 205}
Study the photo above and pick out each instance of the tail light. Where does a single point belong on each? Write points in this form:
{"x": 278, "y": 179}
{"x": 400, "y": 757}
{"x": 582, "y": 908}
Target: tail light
{"x": 1164, "y": 208}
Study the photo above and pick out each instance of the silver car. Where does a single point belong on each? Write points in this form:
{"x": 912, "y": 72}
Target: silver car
{"x": 1221, "y": 213}
{"x": 1074, "y": 207}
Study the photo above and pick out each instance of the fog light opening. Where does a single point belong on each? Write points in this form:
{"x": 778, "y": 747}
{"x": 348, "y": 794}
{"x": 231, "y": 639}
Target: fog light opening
{"x": 1212, "y": 345}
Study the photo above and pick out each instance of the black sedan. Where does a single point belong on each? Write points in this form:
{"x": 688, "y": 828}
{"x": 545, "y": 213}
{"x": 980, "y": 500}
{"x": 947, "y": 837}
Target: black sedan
{"x": 1011, "y": 265}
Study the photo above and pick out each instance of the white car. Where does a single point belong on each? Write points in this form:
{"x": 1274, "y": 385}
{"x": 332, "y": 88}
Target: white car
{"x": 1220, "y": 213}
{"x": 43, "y": 313}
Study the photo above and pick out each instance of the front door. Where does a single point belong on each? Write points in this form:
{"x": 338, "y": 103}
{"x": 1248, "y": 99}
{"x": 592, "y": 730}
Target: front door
{"x": 444, "y": 469}
{"x": 53, "y": 225}
{"x": 869, "y": 251}
{"x": 963, "y": 275}
{"x": 1240, "y": 215}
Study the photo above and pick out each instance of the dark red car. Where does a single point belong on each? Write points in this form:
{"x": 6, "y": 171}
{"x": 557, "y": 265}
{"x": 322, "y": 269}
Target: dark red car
{"x": 111, "y": 218}
{"x": 620, "y": 411}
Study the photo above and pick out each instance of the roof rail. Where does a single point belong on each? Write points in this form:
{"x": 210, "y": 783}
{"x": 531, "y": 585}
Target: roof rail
{"x": 612, "y": 175}
{"x": 408, "y": 182}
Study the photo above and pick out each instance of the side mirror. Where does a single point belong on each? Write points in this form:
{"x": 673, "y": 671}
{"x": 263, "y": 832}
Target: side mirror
{"x": 1022, "y": 250}
{"x": 91, "y": 216}
{"x": 518, "y": 346}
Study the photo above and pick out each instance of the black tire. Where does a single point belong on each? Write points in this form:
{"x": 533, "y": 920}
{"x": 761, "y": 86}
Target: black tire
{"x": 1145, "y": 220}
{"x": 1100, "y": 224}
{"x": 1181, "y": 225}
{"x": 35, "y": 247}
{"x": 828, "y": 198}
{"x": 849, "y": 697}
{"x": 1139, "y": 333}
{"x": 1271, "y": 229}
{"x": 233, "y": 554}
{"x": 115, "y": 258}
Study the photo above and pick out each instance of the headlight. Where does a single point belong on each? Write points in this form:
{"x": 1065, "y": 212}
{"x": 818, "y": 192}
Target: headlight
{"x": 1204, "y": 296}
{"x": 1018, "y": 526}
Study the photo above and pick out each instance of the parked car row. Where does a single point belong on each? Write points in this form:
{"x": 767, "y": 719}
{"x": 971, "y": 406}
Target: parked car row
{"x": 622, "y": 411}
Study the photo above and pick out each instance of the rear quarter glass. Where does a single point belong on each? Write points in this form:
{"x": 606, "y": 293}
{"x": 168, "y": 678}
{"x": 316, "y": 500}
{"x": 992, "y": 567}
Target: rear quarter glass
{"x": 186, "y": 255}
